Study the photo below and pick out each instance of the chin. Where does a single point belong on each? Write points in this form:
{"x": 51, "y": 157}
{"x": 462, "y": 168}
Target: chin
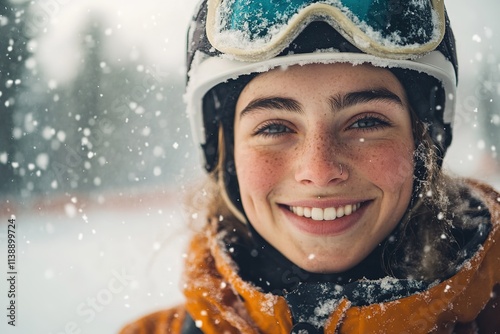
{"x": 325, "y": 266}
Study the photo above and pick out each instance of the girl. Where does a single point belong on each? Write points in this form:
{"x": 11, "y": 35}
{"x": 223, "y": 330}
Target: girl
{"x": 323, "y": 126}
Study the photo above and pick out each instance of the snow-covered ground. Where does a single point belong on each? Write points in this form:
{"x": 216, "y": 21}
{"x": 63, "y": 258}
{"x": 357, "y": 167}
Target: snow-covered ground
{"x": 89, "y": 268}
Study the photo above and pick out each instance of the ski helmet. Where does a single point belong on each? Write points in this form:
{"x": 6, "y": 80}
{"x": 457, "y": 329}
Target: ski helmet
{"x": 231, "y": 41}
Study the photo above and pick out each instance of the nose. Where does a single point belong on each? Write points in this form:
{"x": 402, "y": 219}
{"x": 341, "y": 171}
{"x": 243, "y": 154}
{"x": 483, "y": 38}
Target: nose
{"x": 318, "y": 162}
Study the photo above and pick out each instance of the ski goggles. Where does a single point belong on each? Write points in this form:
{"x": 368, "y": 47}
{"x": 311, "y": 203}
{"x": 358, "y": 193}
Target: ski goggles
{"x": 253, "y": 30}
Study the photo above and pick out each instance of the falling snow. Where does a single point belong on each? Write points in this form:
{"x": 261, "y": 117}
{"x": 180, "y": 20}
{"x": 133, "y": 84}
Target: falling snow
{"x": 96, "y": 113}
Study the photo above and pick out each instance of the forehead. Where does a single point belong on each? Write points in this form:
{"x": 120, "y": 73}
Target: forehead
{"x": 323, "y": 78}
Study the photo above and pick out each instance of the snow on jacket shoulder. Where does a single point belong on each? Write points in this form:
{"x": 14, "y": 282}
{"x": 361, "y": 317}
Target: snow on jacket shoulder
{"x": 219, "y": 301}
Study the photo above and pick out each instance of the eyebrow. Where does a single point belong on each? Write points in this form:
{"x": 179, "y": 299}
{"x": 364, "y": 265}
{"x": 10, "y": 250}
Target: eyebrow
{"x": 344, "y": 101}
{"x": 338, "y": 102}
{"x": 279, "y": 103}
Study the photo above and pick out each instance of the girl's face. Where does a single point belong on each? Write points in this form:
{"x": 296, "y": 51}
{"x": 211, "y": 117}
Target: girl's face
{"x": 324, "y": 159}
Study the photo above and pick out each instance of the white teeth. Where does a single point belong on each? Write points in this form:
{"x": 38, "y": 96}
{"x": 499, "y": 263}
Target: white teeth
{"x": 330, "y": 214}
{"x": 300, "y": 211}
{"x": 307, "y": 212}
{"x": 325, "y": 214}
{"x": 340, "y": 212}
{"x": 317, "y": 214}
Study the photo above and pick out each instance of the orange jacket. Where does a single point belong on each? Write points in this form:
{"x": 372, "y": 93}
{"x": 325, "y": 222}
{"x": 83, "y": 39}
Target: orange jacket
{"x": 219, "y": 301}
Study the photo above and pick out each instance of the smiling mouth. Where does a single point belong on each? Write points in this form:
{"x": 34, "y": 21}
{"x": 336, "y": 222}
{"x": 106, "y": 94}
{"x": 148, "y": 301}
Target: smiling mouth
{"x": 324, "y": 214}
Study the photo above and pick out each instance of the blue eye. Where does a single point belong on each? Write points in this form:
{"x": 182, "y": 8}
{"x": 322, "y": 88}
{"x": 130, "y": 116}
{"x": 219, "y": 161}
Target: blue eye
{"x": 273, "y": 129}
{"x": 369, "y": 122}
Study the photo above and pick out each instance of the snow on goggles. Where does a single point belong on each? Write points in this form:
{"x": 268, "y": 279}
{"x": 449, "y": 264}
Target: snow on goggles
{"x": 254, "y": 30}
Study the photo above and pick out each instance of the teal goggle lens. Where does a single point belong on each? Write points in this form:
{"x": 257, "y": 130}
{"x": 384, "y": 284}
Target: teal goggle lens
{"x": 261, "y": 28}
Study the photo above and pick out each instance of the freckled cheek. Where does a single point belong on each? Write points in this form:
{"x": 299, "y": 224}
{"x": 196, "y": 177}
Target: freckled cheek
{"x": 257, "y": 172}
{"x": 390, "y": 168}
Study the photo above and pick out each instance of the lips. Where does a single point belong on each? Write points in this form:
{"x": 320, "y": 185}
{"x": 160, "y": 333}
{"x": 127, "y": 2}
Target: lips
{"x": 330, "y": 213}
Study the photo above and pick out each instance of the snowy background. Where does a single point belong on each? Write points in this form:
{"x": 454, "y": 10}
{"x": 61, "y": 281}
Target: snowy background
{"x": 93, "y": 133}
